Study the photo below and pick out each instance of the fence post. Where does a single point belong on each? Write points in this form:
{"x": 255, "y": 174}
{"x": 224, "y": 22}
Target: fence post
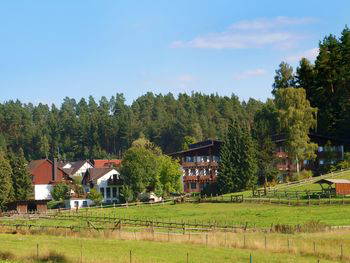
{"x": 187, "y": 258}
{"x": 81, "y": 253}
{"x": 265, "y": 243}
{"x": 341, "y": 252}
{"x": 314, "y": 248}
{"x": 250, "y": 258}
{"x": 130, "y": 256}
{"x": 37, "y": 251}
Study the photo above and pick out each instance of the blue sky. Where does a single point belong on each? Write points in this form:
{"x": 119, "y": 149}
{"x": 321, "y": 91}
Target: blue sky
{"x": 53, "y": 49}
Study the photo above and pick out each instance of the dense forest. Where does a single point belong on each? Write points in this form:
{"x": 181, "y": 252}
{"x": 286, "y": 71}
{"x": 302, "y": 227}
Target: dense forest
{"x": 90, "y": 129}
{"x": 106, "y": 128}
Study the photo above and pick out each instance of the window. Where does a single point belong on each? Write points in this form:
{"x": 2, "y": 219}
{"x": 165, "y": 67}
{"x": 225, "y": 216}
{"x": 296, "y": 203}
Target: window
{"x": 102, "y": 191}
{"x": 108, "y": 193}
{"x": 206, "y": 171}
{"x": 193, "y": 171}
{"x": 205, "y": 159}
{"x": 114, "y": 192}
{"x": 76, "y": 203}
{"x": 85, "y": 203}
{"x": 320, "y": 149}
{"x": 193, "y": 185}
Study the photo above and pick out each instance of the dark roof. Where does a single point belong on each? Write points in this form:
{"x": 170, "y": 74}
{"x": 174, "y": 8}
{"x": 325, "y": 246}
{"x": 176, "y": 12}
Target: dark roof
{"x": 333, "y": 181}
{"x": 77, "y": 165}
{"x": 96, "y": 173}
{"x": 198, "y": 146}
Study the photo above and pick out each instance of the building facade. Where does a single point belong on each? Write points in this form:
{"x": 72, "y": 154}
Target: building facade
{"x": 45, "y": 174}
{"x": 105, "y": 180}
{"x": 199, "y": 165}
{"x": 330, "y": 151}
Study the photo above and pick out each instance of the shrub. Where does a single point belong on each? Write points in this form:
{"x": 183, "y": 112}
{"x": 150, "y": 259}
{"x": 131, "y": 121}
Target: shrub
{"x": 304, "y": 174}
{"x": 60, "y": 192}
{"x": 55, "y": 204}
{"x": 95, "y": 196}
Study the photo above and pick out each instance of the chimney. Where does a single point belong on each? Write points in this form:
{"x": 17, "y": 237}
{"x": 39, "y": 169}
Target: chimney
{"x": 54, "y": 169}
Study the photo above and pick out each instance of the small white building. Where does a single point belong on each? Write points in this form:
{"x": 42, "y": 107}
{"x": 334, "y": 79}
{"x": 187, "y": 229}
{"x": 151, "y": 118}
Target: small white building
{"x": 105, "y": 180}
{"x": 74, "y": 203}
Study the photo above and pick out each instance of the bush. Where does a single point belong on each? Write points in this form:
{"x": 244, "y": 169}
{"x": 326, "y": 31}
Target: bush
{"x": 60, "y": 192}
{"x": 95, "y": 196}
{"x": 304, "y": 174}
{"x": 55, "y": 204}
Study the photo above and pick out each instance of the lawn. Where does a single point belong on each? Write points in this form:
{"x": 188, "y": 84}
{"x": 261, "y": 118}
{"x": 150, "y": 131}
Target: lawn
{"x": 24, "y": 247}
{"x": 261, "y": 215}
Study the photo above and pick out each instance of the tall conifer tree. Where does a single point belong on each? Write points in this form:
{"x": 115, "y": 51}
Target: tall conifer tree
{"x": 5, "y": 181}
{"x": 21, "y": 181}
{"x": 237, "y": 170}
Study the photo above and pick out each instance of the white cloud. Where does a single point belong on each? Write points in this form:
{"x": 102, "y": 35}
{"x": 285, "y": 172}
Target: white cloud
{"x": 249, "y": 74}
{"x": 310, "y": 54}
{"x": 186, "y": 78}
{"x": 256, "y": 33}
{"x": 266, "y": 23}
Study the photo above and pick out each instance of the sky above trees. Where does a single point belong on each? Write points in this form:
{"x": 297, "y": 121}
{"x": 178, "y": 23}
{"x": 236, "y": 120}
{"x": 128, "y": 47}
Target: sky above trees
{"x": 50, "y": 50}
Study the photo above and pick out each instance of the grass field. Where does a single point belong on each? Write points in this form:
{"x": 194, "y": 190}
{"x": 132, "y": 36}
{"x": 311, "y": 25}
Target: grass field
{"x": 232, "y": 214}
{"x": 23, "y": 248}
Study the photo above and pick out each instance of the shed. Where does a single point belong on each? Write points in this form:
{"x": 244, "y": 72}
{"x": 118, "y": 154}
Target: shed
{"x": 26, "y": 206}
{"x": 342, "y": 186}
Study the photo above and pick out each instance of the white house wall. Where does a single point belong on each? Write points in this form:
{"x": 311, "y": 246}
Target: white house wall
{"x": 103, "y": 183}
{"x": 42, "y": 191}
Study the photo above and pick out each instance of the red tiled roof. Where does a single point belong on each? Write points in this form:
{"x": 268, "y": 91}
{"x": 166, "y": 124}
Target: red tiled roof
{"x": 107, "y": 163}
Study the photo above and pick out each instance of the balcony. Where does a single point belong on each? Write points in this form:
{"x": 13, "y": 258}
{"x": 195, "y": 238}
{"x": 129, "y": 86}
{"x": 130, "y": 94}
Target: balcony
{"x": 199, "y": 164}
{"x": 201, "y": 178}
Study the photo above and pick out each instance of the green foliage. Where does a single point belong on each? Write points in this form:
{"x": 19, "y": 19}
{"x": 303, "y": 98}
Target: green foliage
{"x": 77, "y": 186}
{"x": 265, "y": 124}
{"x": 296, "y": 118}
{"x": 60, "y": 192}
{"x": 304, "y": 174}
{"x": 5, "y": 181}
{"x": 95, "y": 196}
{"x": 170, "y": 175}
{"x": 55, "y": 204}
{"x": 326, "y": 83}
{"x": 187, "y": 141}
{"x": 106, "y": 128}
{"x": 144, "y": 168}
{"x": 21, "y": 179}
{"x": 237, "y": 169}
{"x": 126, "y": 194}
{"x": 284, "y": 77}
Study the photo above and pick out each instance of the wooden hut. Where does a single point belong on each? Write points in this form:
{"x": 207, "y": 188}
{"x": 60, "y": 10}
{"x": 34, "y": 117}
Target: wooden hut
{"x": 26, "y": 206}
{"x": 341, "y": 186}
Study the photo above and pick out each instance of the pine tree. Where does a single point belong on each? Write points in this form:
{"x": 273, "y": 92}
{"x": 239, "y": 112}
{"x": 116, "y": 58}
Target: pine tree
{"x": 237, "y": 170}
{"x": 5, "y": 181}
{"x": 21, "y": 181}
{"x": 284, "y": 77}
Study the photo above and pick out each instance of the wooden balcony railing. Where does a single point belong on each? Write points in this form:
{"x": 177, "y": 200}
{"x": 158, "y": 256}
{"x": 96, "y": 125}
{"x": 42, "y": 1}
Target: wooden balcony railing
{"x": 199, "y": 164}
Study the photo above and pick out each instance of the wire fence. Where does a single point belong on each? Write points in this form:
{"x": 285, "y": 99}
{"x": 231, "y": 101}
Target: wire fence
{"x": 330, "y": 250}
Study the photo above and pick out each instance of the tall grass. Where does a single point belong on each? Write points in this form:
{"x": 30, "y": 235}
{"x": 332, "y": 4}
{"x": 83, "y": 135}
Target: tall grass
{"x": 327, "y": 245}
